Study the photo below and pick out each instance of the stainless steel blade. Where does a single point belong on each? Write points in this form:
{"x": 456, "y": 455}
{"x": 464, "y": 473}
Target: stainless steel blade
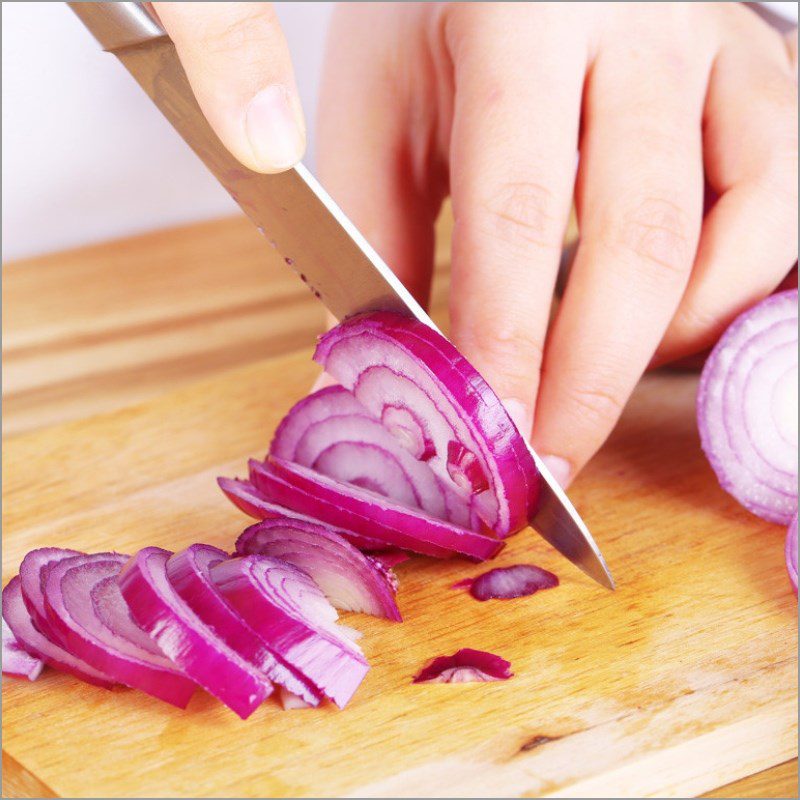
{"x": 301, "y": 221}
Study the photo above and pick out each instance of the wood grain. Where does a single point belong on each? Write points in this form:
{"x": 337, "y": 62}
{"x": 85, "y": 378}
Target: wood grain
{"x": 682, "y": 681}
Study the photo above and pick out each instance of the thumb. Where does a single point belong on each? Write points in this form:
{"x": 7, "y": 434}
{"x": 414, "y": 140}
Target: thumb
{"x": 238, "y": 64}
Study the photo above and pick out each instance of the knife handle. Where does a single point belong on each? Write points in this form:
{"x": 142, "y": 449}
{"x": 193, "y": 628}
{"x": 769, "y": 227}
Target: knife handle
{"x": 118, "y": 25}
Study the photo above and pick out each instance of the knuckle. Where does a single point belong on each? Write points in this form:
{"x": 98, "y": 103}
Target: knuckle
{"x": 252, "y": 27}
{"x": 596, "y": 406}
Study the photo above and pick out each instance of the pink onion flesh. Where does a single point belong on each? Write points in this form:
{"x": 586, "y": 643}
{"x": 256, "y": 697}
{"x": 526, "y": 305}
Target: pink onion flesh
{"x": 506, "y": 583}
{"x": 287, "y": 609}
{"x": 747, "y": 408}
{"x": 351, "y": 580}
{"x": 466, "y": 666}
{"x": 185, "y": 639}
{"x": 791, "y": 552}
{"x": 17, "y": 660}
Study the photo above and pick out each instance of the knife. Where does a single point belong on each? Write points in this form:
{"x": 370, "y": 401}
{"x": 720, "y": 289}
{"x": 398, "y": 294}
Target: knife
{"x": 336, "y": 262}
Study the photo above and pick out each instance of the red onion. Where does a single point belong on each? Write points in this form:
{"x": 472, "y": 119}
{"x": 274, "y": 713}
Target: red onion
{"x": 351, "y": 581}
{"x": 17, "y": 660}
{"x": 366, "y": 513}
{"x": 466, "y": 666}
{"x": 19, "y": 620}
{"x": 791, "y": 552}
{"x": 109, "y": 643}
{"x": 184, "y": 638}
{"x": 388, "y": 360}
{"x": 287, "y": 609}
{"x": 389, "y": 558}
{"x": 189, "y": 573}
{"x": 747, "y": 408}
{"x": 506, "y": 583}
{"x": 245, "y": 496}
{"x": 30, "y": 576}
{"x": 290, "y": 701}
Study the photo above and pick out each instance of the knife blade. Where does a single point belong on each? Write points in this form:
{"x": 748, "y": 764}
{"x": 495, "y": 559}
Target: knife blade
{"x": 303, "y": 223}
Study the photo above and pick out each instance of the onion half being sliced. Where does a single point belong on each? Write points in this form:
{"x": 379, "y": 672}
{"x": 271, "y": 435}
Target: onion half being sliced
{"x": 351, "y": 580}
{"x": 398, "y": 366}
{"x": 347, "y": 506}
{"x": 284, "y": 605}
{"x": 185, "y": 639}
{"x": 107, "y": 643}
{"x": 747, "y": 408}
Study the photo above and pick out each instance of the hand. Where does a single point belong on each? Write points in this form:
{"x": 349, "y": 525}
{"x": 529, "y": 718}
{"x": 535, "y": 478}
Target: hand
{"x": 490, "y": 102}
{"x": 238, "y": 64}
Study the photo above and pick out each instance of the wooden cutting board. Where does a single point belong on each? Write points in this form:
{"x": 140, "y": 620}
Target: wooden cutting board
{"x": 682, "y": 680}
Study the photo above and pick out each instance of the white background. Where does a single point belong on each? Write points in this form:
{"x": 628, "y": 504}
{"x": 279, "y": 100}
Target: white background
{"x": 86, "y": 156}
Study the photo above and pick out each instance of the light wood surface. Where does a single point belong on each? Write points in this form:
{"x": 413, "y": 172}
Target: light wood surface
{"x": 682, "y": 681}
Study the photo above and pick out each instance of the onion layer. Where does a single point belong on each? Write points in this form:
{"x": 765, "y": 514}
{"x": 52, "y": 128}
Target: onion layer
{"x": 466, "y": 666}
{"x": 506, "y": 583}
{"x": 184, "y": 638}
{"x": 17, "y": 660}
{"x": 351, "y": 580}
{"x": 287, "y": 609}
{"x": 747, "y": 408}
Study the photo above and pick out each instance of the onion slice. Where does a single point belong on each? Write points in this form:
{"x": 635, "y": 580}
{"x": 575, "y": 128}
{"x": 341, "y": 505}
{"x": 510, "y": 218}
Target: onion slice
{"x": 791, "y": 552}
{"x": 391, "y": 361}
{"x": 351, "y": 580}
{"x": 506, "y": 583}
{"x": 466, "y": 666}
{"x": 747, "y": 408}
{"x": 184, "y": 638}
{"x": 17, "y": 660}
{"x": 19, "y": 620}
{"x": 343, "y": 505}
{"x": 287, "y": 609}
{"x": 189, "y": 573}
{"x": 30, "y": 576}
{"x": 107, "y": 644}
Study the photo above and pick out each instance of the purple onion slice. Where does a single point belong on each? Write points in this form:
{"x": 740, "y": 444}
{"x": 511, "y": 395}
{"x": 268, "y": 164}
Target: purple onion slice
{"x": 107, "y": 644}
{"x": 30, "y": 576}
{"x": 351, "y": 580}
{"x": 17, "y": 660}
{"x": 288, "y": 610}
{"x": 184, "y": 638}
{"x": 189, "y": 573}
{"x": 466, "y": 666}
{"x": 747, "y": 408}
{"x": 506, "y": 583}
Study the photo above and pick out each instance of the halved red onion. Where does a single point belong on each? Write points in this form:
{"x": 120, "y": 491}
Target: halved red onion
{"x": 16, "y": 659}
{"x": 107, "y": 644}
{"x": 246, "y": 497}
{"x": 388, "y": 360}
{"x": 791, "y": 552}
{"x": 747, "y": 408}
{"x": 30, "y": 576}
{"x": 189, "y": 574}
{"x": 286, "y": 607}
{"x": 19, "y": 620}
{"x": 466, "y": 666}
{"x": 351, "y": 580}
{"x": 185, "y": 639}
{"x": 344, "y": 505}
{"x": 506, "y": 583}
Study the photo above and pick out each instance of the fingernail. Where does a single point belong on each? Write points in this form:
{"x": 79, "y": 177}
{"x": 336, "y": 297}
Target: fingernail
{"x": 559, "y": 469}
{"x": 274, "y": 132}
{"x": 520, "y": 415}
{"x": 323, "y": 380}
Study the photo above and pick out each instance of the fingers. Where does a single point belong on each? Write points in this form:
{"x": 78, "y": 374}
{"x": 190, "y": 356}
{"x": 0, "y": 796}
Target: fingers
{"x": 376, "y": 151}
{"x": 749, "y": 239}
{"x": 639, "y": 198}
{"x": 238, "y": 64}
{"x": 514, "y": 149}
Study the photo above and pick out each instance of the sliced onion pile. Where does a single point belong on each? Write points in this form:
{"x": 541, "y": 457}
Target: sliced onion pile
{"x": 466, "y": 666}
{"x": 747, "y": 408}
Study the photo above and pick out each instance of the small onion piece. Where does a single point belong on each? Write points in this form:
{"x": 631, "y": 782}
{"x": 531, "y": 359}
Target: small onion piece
{"x": 189, "y": 573}
{"x": 107, "y": 644}
{"x": 747, "y": 408}
{"x": 17, "y": 660}
{"x": 351, "y": 580}
{"x": 791, "y": 552}
{"x": 246, "y": 497}
{"x": 284, "y": 605}
{"x": 185, "y": 639}
{"x": 19, "y": 620}
{"x": 389, "y": 360}
{"x": 343, "y": 505}
{"x": 30, "y": 576}
{"x": 506, "y": 583}
{"x": 466, "y": 666}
